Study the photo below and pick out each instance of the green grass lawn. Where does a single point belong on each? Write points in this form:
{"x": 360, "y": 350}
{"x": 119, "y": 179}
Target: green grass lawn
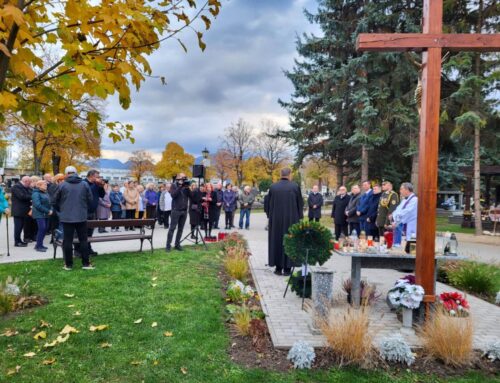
{"x": 186, "y": 301}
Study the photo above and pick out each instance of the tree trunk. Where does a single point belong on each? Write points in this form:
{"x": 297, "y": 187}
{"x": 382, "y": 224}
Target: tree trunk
{"x": 364, "y": 163}
{"x": 477, "y": 181}
{"x": 36, "y": 158}
{"x": 56, "y": 163}
{"x": 414, "y": 171}
{"x": 340, "y": 175}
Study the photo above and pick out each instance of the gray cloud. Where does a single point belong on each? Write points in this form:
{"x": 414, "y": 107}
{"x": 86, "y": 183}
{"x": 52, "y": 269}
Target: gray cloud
{"x": 239, "y": 75}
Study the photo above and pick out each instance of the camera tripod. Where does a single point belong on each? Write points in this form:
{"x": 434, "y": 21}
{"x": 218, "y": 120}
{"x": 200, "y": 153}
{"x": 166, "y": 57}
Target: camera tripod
{"x": 198, "y": 237}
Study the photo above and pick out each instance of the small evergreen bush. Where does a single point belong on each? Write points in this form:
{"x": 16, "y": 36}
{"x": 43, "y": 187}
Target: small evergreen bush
{"x": 302, "y": 355}
{"x": 395, "y": 349}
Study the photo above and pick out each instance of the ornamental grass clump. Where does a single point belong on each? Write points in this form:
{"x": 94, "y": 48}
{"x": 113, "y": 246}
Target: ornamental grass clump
{"x": 236, "y": 266}
{"x": 477, "y": 278}
{"x": 348, "y": 337}
{"x": 242, "y": 318}
{"x": 448, "y": 339}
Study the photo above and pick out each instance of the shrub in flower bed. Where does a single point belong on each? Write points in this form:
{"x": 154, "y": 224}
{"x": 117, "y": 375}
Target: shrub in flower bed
{"x": 368, "y": 292}
{"x": 233, "y": 240}
{"x": 237, "y": 292}
{"x": 455, "y": 304}
{"x": 396, "y": 349}
{"x": 301, "y": 355}
{"x": 474, "y": 277}
{"x": 448, "y": 339}
{"x": 236, "y": 263}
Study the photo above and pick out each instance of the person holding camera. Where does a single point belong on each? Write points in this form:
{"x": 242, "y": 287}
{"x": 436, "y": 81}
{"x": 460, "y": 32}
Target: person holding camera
{"x": 180, "y": 197}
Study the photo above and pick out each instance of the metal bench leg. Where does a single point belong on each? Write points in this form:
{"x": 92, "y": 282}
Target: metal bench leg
{"x": 151, "y": 242}
{"x": 142, "y": 241}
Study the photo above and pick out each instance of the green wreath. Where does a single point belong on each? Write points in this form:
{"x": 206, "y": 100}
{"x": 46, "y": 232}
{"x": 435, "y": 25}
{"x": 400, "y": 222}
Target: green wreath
{"x": 308, "y": 235}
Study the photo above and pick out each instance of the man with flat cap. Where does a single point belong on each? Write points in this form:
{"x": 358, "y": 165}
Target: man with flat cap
{"x": 389, "y": 201}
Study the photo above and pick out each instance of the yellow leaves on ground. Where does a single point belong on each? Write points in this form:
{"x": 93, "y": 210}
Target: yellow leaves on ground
{"x": 105, "y": 345}
{"x": 51, "y": 344}
{"x": 9, "y": 332}
{"x": 154, "y": 279}
{"x": 154, "y": 284}
{"x": 13, "y": 371}
{"x": 30, "y": 354}
{"x": 69, "y": 296}
{"x": 138, "y": 321}
{"x": 77, "y": 313}
{"x": 154, "y": 324}
{"x": 44, "y": 324}
{"x": 40, "y": 335}
{"x": 49, "y": 362}
{"x": 136, "y": 363}
{"x": 168, "y": 334}
{"x": 184, "y": 370}
{"x": 100, "y": 327}
{"x": 62, "y": 339}
{"x": 69, "y": 330}
{"x": 71, "y": 306}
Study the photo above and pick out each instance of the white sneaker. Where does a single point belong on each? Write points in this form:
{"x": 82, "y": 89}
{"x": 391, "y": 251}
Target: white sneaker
{"x": 89, "y": 267}
{"x": 67, "y": 268}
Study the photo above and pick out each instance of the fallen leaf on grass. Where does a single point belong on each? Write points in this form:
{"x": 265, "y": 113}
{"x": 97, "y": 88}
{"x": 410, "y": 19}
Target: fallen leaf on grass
{"x": 184, "y": 370}
{"x": 100, "y": 327}
{"x": 69, "y": 295}
{"x": 51, "y": 344}
{"x": 30, "y": 354}
{"x": 154, "y": 279}
{"x": 62, "y": 339}
{"x": 105, "y": 345}
{"x": 44, "y": 324}
{"x": 77, "y": 313}
{"x": 135, "y": 363}
{"x": 40, "y": 335}
{"x": 168, "y": 333}
{"x": 69, "y": 330}
{"x": 48, "y": 362}
{"x": 154, "y": 284}
{"x": 155, "y": 363}
{"x": 9, "y": 332}
{"x": 138, "y": 321}
{"x": 154, "y": 324}
{"x": 71, "y": 306}
{"x": 13, "y": 371}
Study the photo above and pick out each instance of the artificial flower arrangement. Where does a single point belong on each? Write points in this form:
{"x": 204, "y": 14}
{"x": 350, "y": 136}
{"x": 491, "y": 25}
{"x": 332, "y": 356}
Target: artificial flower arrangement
{"x": 455, "y": 304}
{"x": 405, "y": 294}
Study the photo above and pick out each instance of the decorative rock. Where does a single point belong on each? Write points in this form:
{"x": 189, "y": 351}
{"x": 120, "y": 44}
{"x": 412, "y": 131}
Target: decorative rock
{"x": 322, "y": 290}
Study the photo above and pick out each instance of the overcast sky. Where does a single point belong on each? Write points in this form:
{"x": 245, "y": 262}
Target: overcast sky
{"x": 240, "y": 74}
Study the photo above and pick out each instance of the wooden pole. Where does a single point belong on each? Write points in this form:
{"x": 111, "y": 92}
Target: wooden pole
{"x": 428, "y": 152}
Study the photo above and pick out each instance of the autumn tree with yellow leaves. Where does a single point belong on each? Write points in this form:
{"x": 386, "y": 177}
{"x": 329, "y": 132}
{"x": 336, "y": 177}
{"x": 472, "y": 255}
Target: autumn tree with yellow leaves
{"x": 174, "y": 160}
{"x": 101, "y": 49}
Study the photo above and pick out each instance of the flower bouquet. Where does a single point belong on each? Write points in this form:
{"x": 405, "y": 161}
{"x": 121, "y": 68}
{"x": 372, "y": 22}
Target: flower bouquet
{"x": 455, "y": 304}
{"x": 406, "y": 295}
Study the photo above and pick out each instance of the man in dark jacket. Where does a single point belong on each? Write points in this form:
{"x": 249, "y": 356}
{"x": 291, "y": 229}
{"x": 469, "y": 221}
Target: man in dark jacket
{"x": 315, "y": 202}
{"x": 285, "y": 209}
{"x": 371, "y": 215}
{"x": 338, "y": 212}
{"x": 51, "y": 190}
{"x": 219, "y": 192}
{"x": 73, "y": 198}
{"x": 352, "y": 208}
{"x": 21, "y": 205}
{"x": 180, "y": 197}
{"x": 96, "y": 187}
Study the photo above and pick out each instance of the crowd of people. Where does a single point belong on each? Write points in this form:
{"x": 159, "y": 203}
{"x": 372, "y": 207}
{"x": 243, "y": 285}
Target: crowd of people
{"x": 61, "y": 205}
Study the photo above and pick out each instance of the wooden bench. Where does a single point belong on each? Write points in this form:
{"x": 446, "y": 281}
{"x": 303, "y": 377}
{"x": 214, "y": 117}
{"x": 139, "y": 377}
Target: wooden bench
{"x": 124, "y": 236}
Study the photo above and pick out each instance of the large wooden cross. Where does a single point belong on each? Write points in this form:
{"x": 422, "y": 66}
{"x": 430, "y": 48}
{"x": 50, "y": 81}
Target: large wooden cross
{"x": 431, "y": 42}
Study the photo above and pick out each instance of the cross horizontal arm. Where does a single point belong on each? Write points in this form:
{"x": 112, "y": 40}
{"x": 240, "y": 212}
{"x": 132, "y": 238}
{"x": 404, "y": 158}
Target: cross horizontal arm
{"x": 419, "y": 41}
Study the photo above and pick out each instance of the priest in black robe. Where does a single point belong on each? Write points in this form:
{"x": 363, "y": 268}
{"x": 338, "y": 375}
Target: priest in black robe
{"x": 285, "y": 208}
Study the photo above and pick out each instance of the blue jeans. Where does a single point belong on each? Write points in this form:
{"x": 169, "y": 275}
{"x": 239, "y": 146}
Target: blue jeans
{"x": 245, "y": 212}
{"x": 42, "y": 224}
{"x": 398, "y": 234}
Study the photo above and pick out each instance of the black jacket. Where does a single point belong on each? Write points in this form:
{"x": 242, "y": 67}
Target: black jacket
{"x": 21, "y": 200}
{"x": 97, "y": 192}
{"x": 339, "y": 209}
{"x": 180, "y": 197}
{"x": 73, "y": 198}
{"x": 312, "y": 200}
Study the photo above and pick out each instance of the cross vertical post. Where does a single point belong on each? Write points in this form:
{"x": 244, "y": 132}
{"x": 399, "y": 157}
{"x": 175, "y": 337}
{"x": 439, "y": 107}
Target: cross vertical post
{"x": 428, "y": 152}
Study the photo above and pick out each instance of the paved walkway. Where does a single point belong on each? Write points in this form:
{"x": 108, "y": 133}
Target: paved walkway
{"x": 287, "y": 322}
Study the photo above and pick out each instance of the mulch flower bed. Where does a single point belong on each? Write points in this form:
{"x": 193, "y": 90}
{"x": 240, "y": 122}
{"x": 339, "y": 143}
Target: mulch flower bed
{"x": 257, "y": 351}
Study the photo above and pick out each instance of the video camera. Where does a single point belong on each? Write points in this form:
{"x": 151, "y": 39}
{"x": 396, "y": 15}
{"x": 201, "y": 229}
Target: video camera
{"x": 182, "y": 182}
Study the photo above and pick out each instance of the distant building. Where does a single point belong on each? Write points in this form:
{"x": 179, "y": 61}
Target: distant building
{"x": 117, "y": 172}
